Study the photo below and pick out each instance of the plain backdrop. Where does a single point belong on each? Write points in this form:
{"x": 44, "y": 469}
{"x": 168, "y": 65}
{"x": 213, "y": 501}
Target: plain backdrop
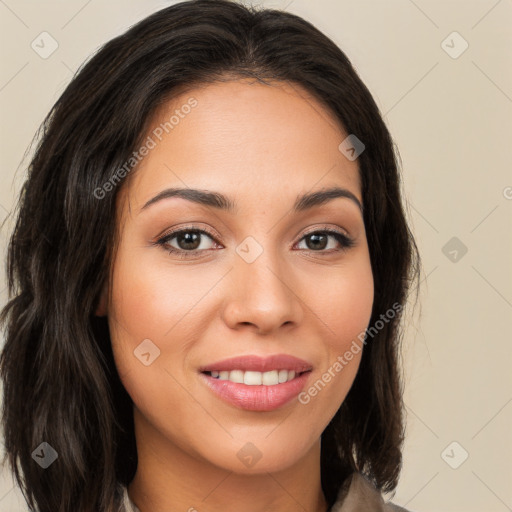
{"x": 441, "y": 74}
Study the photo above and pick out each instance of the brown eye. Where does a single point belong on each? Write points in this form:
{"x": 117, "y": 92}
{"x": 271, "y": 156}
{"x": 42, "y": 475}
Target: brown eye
{"x": 186, "y": 241}
{"x": 318, "y": 241}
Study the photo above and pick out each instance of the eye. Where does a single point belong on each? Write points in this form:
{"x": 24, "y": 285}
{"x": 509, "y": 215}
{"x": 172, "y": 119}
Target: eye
{"x": 186, "y": 240}
{"x": 318, "y": 241}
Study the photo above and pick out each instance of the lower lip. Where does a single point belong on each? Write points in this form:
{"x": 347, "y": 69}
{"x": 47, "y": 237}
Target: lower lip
{"x": 256, "y": 398}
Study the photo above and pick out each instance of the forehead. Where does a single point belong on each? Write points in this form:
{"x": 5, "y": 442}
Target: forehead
{"x": 244, "y": 138}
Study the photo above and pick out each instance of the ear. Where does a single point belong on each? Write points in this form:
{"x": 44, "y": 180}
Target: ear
{"x": 102, "y": 309}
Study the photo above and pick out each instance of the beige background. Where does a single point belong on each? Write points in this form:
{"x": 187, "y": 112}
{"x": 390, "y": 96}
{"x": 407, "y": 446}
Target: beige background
{"x": 452, "y": 120}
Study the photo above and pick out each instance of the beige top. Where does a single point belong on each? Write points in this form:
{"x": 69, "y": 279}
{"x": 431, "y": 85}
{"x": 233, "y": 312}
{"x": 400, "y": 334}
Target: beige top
{"x": 362, "y": 496}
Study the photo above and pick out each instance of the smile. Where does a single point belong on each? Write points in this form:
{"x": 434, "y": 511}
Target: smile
{"x": 257, "y": 383}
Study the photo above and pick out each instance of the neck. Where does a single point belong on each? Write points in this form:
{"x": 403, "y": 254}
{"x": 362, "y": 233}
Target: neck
{"x": 169, "y": 478}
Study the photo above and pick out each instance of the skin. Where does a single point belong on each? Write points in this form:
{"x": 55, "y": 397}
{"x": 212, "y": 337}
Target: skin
{"x": 262, "y": 146}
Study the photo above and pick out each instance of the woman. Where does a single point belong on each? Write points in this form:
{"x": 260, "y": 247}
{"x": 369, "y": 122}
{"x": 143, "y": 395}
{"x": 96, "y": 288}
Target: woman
{"x": 240, "y": 144}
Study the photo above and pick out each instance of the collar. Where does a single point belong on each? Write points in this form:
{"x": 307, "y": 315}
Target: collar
{"x": 358, "y": 494}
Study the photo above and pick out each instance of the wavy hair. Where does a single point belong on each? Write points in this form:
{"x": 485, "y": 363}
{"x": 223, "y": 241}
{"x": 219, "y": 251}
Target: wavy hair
{"x": 60, "y": 383}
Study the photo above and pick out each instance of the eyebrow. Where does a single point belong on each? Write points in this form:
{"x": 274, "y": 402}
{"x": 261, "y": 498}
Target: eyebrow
{"x": 221, "y": 202}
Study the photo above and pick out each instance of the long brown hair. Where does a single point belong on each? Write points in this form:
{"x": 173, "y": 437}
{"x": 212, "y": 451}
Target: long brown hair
{"x": 60, "y": 382}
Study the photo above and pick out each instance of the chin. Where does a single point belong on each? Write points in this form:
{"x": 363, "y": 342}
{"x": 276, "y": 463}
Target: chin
{"x": 259, "y": 456}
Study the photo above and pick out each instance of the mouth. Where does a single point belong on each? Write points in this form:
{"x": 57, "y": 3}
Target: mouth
{"x": 257, "y": 383}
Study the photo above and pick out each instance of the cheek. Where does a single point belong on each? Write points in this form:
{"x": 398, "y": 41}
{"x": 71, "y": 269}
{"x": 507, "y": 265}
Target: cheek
{"x": 354, "y": 308}
{"x": 158, "y": 311}
{"x": 151, "y": 302}
{"x": 144, "y": 320}
{"x": 346, "y": 304}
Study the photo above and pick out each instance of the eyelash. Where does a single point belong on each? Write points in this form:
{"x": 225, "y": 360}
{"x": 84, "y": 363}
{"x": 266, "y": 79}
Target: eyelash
{"x": 345, "y": 241}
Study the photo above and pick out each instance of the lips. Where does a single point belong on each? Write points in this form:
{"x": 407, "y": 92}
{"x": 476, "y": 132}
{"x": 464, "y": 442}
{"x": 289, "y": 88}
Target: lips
{"x": 257, "y": 383}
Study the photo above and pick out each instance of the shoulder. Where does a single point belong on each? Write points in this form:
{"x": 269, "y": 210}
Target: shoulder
{"x": 358, "y": 494}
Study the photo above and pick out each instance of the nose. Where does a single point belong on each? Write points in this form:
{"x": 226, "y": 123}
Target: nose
{"x": 262, "y": 294}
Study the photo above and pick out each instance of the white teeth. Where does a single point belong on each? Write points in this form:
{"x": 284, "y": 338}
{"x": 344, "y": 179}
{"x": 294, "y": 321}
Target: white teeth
{"x": 250, "y": 378}
{"x": 270, "y": 378}
{"x": 283, "y": 376}
{"x": 236, "y": 376}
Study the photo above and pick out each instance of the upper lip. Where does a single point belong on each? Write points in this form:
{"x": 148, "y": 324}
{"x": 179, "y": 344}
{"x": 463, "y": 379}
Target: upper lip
{"x": 259, "y": 364}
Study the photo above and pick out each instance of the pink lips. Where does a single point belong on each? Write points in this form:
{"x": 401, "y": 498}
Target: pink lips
{"x": 258, "y": 398}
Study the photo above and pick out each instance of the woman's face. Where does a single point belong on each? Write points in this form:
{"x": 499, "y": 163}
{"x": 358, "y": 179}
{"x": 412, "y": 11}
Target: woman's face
{"x": 266, "y": 277}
